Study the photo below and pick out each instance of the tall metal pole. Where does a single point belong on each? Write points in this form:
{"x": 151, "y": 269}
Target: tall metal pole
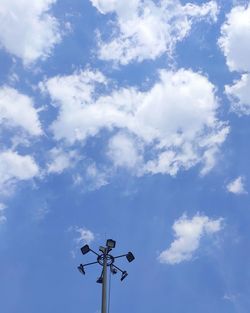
{"x": 104, "y": 284}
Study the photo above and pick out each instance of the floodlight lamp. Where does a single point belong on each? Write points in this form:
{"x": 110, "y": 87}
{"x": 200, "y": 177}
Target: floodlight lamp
{"x": 102, "y": 249}
{"x": 113, "y": 270}
{"x": 81, "y": 269}
{"x": 124, "y": 275}
{"x": 100, "y": 280}
{"x": 130, "y": 257}
{"x": 110, "y": 243}
{"x": 85, "y": 249}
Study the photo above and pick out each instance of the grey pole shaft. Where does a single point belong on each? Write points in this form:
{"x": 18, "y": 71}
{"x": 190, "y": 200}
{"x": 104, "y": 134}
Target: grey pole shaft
{"x": 104, "y": 286}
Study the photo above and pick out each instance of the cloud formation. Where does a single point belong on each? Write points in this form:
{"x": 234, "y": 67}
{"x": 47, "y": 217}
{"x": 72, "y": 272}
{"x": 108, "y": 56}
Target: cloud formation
{"x": 27, "y": 30}
{"x": 176, "y": 119}
{"x": 17, "y": 110}
{"x": 15, "y": 167}
{"x": 237, "y": 186}
{"x": 234, "y": 42}
{"x": 188, "y": 234}
{"x": 146, "y": 30}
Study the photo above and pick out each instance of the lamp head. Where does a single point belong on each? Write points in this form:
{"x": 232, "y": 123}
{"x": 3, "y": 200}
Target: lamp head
{"x": 102, "y": 249}
{"x": 110, "y": 243}
{"x": 113, "y": 270}
{"x": 130, "y": 257}
{"x": 81, "y": 269}
{"x": 124, "y": 275}
{"x": 85, "y": 249}
{"x": 99, "y": 280}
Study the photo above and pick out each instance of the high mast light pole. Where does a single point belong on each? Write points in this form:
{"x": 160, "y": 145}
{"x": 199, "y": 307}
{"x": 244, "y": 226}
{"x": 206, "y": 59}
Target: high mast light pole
{"x": 106, "y": 260}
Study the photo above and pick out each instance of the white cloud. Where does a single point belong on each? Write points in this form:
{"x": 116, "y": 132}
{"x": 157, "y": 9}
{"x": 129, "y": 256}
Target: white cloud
{"x": 237, "y": 186}
{"x": 72, "y": 94}
{"x": 15, "y": 167}
{"x": 176, "y": 120}
{"x": 17, "y": 110}
{"x": 27, "y": 30}
{"x": 239, "y": 94}
{"x": 188, "y": 234}
{"x": 146, "y": 30}
{"x": 235, "y": 38}
{"x": 84, "y": 235}
{"x": 234, "y": 42}
{"x": 61, "y": 160}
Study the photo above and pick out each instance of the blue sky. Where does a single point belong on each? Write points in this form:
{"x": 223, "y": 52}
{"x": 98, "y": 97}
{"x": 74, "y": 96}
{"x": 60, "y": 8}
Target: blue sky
{"x": 126, "y": 120}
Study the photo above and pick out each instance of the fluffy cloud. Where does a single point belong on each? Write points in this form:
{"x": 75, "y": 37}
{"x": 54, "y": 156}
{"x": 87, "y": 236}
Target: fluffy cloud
{"x": 72, "y": 94}
{"x": 234, "y": 42}
{"x": 146, "y": 30}
{"x": 171, "y": 126}
{"x": 188, "y": 234}
{"x": 17, "y": 110}
{"x": 27, "y": 30}
{"x": 237, "y": 186}
{"x": 15, "y": 167}
{"x": 235, "y": 38}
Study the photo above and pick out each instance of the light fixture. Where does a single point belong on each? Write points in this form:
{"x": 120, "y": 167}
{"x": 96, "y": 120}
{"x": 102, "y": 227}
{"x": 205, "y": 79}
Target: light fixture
{"x": 81, "y": 269}
{"x": 110, "y": 243}
{"x": 85, "y": 249}
{"x": 130, "y": 257}
{"x": 113, "y": 269}
{"x": 124, "y": 275}
{"x": 102, "y": 249}
{"x": 99, "y": 280}
{"x": 107, "y": 262}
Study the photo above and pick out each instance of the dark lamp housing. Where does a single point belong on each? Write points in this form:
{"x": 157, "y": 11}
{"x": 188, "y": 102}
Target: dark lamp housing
{"x": 81, "y": 269}
{"x": 110, "y": 243}
{"x": 124, "y": 275}
{"x": 85, "y": 249}
{"x": 99, "y": 280}
{"x": 130, "y": 257}
{"x": 113, "y": 270}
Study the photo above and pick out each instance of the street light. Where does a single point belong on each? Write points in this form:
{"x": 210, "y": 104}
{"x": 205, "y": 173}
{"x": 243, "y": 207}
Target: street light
{"x": 81, "y": 269}
{"x": 110, "y": 243}
{"x": 124, "y": 275}
{"x": 106, "y": 260}
{"x": 130, "y": 257}
{"x": 85, "y": 249}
